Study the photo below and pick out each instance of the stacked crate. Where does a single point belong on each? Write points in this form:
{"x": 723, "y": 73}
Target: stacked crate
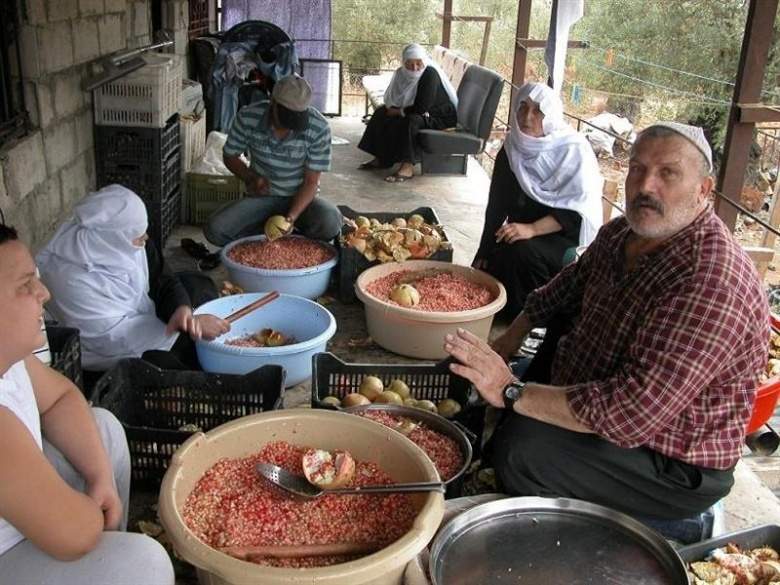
{"x": 137, "y": 141}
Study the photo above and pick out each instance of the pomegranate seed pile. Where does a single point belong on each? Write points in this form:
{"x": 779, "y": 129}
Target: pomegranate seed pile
{"x": 281, "y": 254}
{"x": 442, "y": 292}
{"x": 441, "y": 449}
{"x": 232, "y": 506}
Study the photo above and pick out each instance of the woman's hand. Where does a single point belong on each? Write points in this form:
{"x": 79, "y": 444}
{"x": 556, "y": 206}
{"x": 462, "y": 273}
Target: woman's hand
{"x": 393, "y": 112}
{"x": 506, "y": 345}
{"x": 181, "y": 320}
{"x": 104, "y": 493}
{"x": 514, "y": 232}
{"x": 211, "y": 326}
{"x": 480, "y": 365}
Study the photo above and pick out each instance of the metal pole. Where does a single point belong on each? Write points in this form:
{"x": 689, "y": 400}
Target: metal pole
{"x": 446, "y": 24}
{"x": 521, "y": 53}
{"x": 739, "y": 137}
{"x": 485, "y": 42}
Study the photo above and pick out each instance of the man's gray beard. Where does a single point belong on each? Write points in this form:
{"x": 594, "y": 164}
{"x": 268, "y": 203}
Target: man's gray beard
{"x": 669, "y": 225}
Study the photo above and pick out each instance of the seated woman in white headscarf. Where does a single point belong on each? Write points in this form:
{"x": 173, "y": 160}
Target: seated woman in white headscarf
{"x": 419, "y": 96}
{"x": 107, "y": 279}
{"x": 545, "y": 197}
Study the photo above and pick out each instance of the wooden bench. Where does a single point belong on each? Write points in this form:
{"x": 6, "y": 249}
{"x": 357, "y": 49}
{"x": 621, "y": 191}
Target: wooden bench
{"x": 453, "y": 65}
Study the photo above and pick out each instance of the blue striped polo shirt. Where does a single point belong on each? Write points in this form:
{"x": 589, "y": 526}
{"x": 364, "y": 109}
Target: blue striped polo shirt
{"x": 282, "y": 162}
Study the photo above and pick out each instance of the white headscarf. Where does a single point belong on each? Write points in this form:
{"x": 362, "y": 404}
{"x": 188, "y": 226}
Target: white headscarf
{"x": 559, "y": 169}
{"x": 99, "y": 280}
{"x": 403, "y": 86}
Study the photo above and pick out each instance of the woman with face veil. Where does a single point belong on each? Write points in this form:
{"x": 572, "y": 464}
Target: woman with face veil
{"x": 419, "y": 96}
{"x": 545, "y": 197}
{"x": 108, "y": 280}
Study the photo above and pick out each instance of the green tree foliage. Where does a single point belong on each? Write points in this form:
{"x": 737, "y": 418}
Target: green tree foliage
{"x": 387, "y": 25}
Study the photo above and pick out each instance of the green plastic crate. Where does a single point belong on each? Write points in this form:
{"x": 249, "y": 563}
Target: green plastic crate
{"x": 207, "y": 193}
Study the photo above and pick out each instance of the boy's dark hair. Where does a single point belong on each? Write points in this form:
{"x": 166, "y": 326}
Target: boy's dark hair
{"x": 7, "y": 233}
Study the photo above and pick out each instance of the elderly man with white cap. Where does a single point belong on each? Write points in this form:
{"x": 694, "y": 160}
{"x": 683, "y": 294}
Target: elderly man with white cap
{"x": 642, "y": 403}
{"x": 288, "y": 144}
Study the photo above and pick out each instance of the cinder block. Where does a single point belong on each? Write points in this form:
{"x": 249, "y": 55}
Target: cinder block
{"x": 25, "y": 167}
{"x": 68, "y": 96}
{"x": 49, "y": 200}
{"x": 5, "y": 200}
{"x": 28, "y": 38}
{"x": 91, "y": 7}
{"x": 112, "y": 35}
{"x": 116, "y": 6}
{"x": 75, "y": 183}
{"x": 45, "y": 105}
{"x": 63, "y": 10}
{"x": 55, "y": 46}
{"x": 84, "y": 132}
{"x": 31, "y": 103}
{"x": 140, "y": 19}
{"x": 20, "y": 217}
{"x": 85, "y": 40}
{"x": 36, "y": 11}
{"x": 59, "y": 144}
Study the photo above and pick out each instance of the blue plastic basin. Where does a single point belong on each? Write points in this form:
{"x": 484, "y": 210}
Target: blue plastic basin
{"x": 309, "y": 282}
{"x": 311, "y": 324}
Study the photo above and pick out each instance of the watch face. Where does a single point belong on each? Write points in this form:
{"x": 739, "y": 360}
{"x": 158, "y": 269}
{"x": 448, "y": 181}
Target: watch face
{"x": 512, "y": 393}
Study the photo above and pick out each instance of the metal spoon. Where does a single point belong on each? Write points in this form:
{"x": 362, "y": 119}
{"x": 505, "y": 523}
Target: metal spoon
{"x": 300, "y": 486}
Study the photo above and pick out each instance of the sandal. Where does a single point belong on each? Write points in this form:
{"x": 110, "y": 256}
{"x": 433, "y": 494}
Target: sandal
{"x": 370, "y": 165}
{"x": 396, "y": 178}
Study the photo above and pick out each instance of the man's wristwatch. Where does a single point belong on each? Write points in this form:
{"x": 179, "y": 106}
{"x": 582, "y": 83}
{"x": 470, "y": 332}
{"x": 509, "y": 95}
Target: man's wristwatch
{"x": 513, "y": 393}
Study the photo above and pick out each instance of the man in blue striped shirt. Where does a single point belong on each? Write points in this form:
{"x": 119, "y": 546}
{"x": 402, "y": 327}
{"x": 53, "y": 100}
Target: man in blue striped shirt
{"x": 288, "y": 144}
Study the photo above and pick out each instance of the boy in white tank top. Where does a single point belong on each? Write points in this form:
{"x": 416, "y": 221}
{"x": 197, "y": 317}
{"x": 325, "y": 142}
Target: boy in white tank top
{"x": 64, "y": 469}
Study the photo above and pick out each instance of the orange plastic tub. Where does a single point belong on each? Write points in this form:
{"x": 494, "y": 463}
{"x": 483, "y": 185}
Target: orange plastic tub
{"x": 764, "y": 406}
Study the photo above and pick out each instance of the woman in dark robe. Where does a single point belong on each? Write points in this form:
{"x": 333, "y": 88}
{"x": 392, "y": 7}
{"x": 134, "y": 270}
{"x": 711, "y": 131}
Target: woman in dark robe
{"x": 545, "y": 197}
{"x": 419, "y": 96}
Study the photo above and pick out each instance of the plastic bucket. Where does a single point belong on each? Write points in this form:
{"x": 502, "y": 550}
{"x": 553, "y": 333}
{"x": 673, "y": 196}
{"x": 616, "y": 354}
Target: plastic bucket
{"x": 309, "y": 323}
{"x": 420, "y": 334}
{"x": 764, "y": 404}
{"x": 309, "y": 282}
{"x": 366, "y": 440}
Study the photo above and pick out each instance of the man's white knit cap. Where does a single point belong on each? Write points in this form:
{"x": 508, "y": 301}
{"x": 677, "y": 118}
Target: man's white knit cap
{"x": 694, "y": 134}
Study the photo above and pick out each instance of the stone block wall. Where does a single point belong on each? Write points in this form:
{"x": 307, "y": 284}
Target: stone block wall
{"x": 43, "y": 174}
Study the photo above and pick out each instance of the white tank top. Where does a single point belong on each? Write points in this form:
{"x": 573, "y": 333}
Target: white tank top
{"x": 16, "y": 394}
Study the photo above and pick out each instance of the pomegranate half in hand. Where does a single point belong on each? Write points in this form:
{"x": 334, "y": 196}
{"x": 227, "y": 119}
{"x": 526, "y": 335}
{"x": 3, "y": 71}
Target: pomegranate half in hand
{"x": 328, "y": 470}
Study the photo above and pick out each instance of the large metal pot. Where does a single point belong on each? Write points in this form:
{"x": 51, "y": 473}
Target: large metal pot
{"x": 546, "y": 540}
{"x": 456, "y": 432}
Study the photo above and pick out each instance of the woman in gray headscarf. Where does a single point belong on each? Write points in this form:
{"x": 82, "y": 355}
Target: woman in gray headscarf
{"x": 419, "y": 96}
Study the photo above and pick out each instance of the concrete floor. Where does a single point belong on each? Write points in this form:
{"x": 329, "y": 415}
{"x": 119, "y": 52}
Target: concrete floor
{"x": 460, "y": 203}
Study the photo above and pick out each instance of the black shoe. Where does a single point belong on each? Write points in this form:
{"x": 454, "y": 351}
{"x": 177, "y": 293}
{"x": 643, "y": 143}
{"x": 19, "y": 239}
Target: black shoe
{"x": 195, "y": 249}
{"x": 209, "y": 262}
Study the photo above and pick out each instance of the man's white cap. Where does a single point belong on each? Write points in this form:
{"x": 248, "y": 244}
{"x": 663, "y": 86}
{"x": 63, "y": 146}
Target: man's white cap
{"x": 694, "y": 135}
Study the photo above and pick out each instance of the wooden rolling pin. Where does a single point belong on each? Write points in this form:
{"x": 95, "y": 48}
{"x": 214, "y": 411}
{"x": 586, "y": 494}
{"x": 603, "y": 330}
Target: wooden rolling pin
{"x": 243, "y": 312}
{"x": 247, "y": 553}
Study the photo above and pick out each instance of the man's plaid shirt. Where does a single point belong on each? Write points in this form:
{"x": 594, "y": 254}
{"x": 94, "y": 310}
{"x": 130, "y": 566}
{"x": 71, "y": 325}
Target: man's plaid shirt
{"x": 666, "y": 356}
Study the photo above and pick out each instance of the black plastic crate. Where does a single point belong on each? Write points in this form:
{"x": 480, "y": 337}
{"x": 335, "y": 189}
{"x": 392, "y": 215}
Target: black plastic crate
{"x": 152, "y": 182}
{"x": 65, "y": 348}
{"x": 154, "y": 404}
{"x": 163, "y": 217}
{"x": 130, "y": 145}
{"x": 352, "y": 263}
{"x": 768, "y": 534}
{"x": 333, "y": 377}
